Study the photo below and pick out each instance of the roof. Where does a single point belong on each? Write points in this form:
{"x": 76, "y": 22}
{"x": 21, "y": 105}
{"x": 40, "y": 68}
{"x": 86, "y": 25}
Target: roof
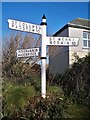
{"x": 82, "y": 22}
{"x": 76, "y": 23}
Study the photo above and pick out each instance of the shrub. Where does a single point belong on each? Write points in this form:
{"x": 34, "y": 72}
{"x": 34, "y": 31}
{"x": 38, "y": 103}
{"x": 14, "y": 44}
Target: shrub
{"x": 15, "y": 98}
{"x": 76, "y": 81}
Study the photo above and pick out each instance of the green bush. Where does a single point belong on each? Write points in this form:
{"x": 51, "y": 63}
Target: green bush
{"x": 78, "y": 111}
{"x": 54, "y": 89}
{"x": 15, "y": 98}
{"x": 76, "y": 81}
{"x": 21, "y": 101}
{"x": 50, "y": 108}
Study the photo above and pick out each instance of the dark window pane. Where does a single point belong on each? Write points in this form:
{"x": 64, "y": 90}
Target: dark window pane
{"x": 89, "y": 43}
{"x": 85, "y": 43}
{"x": 85, "y": 35}
{"x": 89, "y": 36}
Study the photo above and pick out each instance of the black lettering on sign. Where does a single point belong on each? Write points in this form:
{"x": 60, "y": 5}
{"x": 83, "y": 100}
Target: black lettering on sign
{"x": 23, "y": 25}
{"x": 59, "y": 39}
{"x": 33, "y": 28}
{"x": 29, "y": 28}
{"x": 54, "y": 42}
{"x": 16, "y": 24}
{"x": 12, "y": 23}
{"x": 36, "y": 50}
{"x": 50, "y": 40}
{"x": 73, "y": 43}
{"x": 20, "y": 25}
{"x": 58, "y": 42}
{"x": 32, "y": 50}
{"x": 26, "y": 26}
{"x": 39, "y": 29}
{"x": 68, "y": 43}
{"x": 69, "y": 39}
{"x": 66, "y": 39}
{"x": 61, "y": 42}
{"x": 27, "y": 50}
{"x": 28, "y": 53}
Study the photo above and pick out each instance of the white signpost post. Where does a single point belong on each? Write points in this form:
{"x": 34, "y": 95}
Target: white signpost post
{"x": 40, "y": 29}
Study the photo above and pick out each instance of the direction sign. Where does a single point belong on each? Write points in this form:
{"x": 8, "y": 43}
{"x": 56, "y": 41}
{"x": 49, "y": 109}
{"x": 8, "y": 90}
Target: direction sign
{"x": 27, "y": 52}
{"x": 28, "y": 27}
{"x": 64, "y": 41}
{"x": 24, "y": 26}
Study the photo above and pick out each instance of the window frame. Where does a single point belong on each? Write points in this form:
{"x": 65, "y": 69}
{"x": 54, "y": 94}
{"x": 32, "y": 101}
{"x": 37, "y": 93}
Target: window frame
{"x": 87, "y": 39}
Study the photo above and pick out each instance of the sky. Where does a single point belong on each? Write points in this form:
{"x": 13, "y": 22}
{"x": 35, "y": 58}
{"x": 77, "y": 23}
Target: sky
{"x": 44, "y": 0}
{"x": 57, "y": 13}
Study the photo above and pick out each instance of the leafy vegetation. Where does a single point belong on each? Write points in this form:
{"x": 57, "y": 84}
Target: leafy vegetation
{"x": 16, "y": 97}
{"x": 76, "y": 81}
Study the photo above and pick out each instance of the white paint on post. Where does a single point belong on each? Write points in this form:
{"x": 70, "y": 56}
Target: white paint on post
{"x": 43, "y": 78}
{"x": 43, "y": 58}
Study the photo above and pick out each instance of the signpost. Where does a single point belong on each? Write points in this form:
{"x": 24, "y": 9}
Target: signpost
{"x": 27, "y": 52}
{"x": 40, "y": 29}
{"x": 24, "y": 26}
{"x": 63, "y": 41}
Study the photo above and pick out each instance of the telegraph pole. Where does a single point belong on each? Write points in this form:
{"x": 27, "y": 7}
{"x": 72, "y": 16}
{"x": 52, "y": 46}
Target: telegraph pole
{"x": 43, "y": 57}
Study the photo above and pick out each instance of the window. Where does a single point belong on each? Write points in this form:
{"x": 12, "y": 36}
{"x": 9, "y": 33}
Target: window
{"x": 86, "y": 39}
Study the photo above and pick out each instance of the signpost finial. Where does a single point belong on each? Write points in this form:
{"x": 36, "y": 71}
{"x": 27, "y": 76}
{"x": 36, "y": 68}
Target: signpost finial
{"x": 43, "y": 20}
{"x": 44, "y": 17}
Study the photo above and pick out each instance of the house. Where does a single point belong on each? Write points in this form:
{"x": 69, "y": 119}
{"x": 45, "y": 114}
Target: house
{"x": 65, "y": 55}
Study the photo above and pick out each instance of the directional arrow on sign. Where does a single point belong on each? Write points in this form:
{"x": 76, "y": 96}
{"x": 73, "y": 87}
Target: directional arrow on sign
{"x": 24, "y": 26}
{"x": 63, "y": 41}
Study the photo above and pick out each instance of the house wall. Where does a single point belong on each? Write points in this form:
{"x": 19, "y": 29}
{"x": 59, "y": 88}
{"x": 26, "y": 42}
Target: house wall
{"x": 60, "y": 62}
{"x": 79, "y": 50}
{"x": 65, "y": 55}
